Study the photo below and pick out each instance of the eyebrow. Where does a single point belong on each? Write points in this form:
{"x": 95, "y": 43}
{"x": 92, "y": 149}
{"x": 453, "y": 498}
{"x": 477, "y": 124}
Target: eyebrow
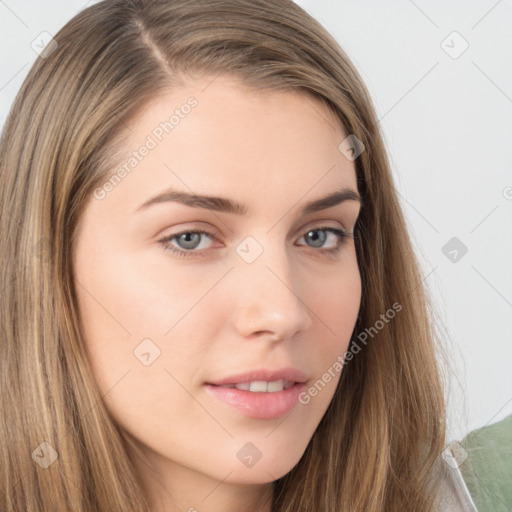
{"x": 221, "y": 204}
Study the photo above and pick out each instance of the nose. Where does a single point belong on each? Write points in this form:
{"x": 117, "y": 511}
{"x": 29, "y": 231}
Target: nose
{"x": 268, "y": 299}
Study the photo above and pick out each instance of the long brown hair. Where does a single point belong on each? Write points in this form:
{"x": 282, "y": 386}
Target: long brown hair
{"x": 376, "y": 447}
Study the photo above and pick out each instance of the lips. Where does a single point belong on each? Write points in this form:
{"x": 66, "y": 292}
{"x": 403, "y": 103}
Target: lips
{"x": 261, "y": 394}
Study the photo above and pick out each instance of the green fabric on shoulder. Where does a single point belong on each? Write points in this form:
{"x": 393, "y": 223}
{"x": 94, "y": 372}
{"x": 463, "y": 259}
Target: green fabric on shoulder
{"x": 487, "y": 470}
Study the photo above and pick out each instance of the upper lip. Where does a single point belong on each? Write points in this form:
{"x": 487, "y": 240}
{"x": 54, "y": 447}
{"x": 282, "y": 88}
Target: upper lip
{"x": 266, "y": 375}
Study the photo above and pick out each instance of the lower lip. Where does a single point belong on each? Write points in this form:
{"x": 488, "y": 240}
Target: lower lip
{"x": 265, "y": 406}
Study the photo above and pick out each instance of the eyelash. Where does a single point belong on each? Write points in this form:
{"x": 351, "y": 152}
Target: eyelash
{"x": 342, "y": 235}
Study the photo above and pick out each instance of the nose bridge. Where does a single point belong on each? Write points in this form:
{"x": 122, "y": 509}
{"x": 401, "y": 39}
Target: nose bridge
{"x": 267, "y": 292}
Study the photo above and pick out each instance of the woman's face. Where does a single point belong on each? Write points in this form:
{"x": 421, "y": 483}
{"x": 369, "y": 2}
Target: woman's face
{"x": 260, "y": 292}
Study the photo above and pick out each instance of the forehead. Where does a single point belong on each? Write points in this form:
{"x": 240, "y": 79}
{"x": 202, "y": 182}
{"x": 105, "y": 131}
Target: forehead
{"x": 209, "y": 134}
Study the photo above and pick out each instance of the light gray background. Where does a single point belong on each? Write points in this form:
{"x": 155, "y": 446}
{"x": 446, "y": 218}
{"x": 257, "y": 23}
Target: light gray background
{"x": 447, "y": 123}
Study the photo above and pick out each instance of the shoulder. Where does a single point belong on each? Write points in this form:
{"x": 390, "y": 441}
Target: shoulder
{"x": 452, "y": 494}
{"x": 487, "y": 469}
{"x": 476, "y": 472}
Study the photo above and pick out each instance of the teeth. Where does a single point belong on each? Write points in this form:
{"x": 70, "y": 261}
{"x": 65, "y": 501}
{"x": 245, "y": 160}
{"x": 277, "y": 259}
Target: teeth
{"x": 260, "y": 386}
{"x": 275, "y": 386}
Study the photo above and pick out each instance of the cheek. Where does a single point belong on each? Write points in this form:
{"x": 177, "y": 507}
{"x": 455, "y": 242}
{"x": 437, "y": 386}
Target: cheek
{"x": 335, "y": 303}
{"x": 144, "y": 341}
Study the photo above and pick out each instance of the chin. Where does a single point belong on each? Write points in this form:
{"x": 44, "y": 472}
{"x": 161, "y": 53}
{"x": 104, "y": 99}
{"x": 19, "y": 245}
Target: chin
{"x": 264, "y": 471}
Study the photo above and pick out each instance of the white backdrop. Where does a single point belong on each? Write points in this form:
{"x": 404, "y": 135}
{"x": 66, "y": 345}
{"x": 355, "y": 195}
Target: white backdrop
{"x": 440, "y": 74}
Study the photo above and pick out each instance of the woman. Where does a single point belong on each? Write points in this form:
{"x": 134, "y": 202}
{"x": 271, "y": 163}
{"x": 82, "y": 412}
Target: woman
{"x": 210, "y": 297}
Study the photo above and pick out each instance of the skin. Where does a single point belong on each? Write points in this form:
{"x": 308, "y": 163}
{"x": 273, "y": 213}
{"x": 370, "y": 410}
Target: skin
{"x": 216, "y": 315}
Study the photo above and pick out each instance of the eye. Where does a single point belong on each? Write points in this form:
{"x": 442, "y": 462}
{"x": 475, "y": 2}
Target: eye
{"x": 188, "y": 242}
{"x": 329, "y": 239}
